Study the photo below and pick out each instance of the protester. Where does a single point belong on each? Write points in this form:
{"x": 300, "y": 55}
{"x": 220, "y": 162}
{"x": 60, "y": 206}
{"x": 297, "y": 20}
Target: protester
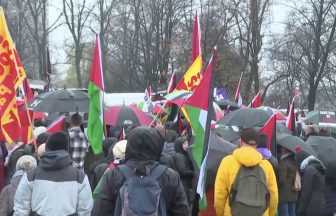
{"x": 78, "y": 142}
{"x": 15, "y": 153}
{"x": 40, "y": 143}
{"x": 169, "y": 137}
{"x": 55, "y": 187}
{"x": 244, "y": 162}
{"x": 103, "y": 164}
{"x": 288, "y": 192}
{"x": 266, "y": 153}
{"x": 311, "y": 201}
{"x": 165, "y": 159}
{"x": 24, "y": 164}
{"x": 3, "y": 155}
{"x": 143, "y": 153}
{"x": 308, "y": 131}
{"x": 184, "y": 164}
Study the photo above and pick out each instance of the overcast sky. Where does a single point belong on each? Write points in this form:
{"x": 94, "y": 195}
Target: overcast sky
{"x": 59, "y": 36}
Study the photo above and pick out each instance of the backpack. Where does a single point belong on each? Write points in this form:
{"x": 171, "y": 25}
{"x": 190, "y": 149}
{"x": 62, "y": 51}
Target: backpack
{"x": 140, "y": 195}
{"x": 249, "y": 193}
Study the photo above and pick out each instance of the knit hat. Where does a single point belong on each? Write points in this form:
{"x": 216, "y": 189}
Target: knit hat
{"x": 42, "y": 138}
{"x": 300, "y": 155}
{"x": 57, "y": 141}
{"x": 119, "y": 150}
{"x": 26, "y": 162}
{"x": 39, "y": 130}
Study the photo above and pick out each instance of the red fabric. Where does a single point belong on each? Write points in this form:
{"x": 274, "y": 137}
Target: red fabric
{"x": 96, "y": 75}
{"x": 111, "y": 115}
{"x": 256, "y": 102}
{"x": 56, "y": 126}
{"x": 290, "y": 124}
{"x": 196, "y": 40}
{"x": 269, "y": 129}
{"x": 210, "y": 211}
{"x": 27, "y": 90}
{"x": 122, "y": 134}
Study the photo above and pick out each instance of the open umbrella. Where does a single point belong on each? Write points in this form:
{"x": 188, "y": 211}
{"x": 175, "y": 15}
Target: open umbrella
{"x": 245, "y": 118}
{"x": 225, "y": 103}
{"x": 313, "y": 116}
{"x": 126, "y": 115}
{"x": 290, "y": 142}
{"x": 278, "y": 115}
{"x": 154, "y": 107}
{"x": 325, "y": 148}
{"x": 226, "y": 133}
{"x": 63, "y": 100}
{"x": 218, "y": 149}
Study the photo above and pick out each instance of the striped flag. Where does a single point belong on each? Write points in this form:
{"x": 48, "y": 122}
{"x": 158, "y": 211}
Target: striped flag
{"x": 95, "y": 129}
{"x": 238, "y": 97}
{"x": 57, "y": 125}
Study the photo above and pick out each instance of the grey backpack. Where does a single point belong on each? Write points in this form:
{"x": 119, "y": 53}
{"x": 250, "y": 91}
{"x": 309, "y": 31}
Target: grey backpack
{"x": 140, "y": 195}
{"x": 249, "y": 193}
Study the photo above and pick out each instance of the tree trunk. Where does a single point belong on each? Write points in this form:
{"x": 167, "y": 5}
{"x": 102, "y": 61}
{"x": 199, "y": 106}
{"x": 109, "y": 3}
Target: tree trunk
{"x": 312, "y": 96}
{"x": 78, "y": 58}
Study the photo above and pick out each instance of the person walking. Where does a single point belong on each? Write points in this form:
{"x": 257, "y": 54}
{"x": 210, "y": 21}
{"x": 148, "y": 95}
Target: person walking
{"x": 55, "y": 187}
{"x": 143, "y": 152}
{"x": 235, "y": 175}
{"x": 183, "y": 164}
{"x": 24, "y": 164}
{"x": 311, "y": 201}
{"x": 79, "y": 144}
{"x": 288, "y": 176}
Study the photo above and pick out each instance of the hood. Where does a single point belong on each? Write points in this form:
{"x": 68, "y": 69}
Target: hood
{"x": 144, "y": 144}
{"x": 247, "y": 156}
{"x": 267, "y": 154}
{"x": 55, "y": 160}
{"x": 178, "y": 144}
{"x": 311, "y": 160}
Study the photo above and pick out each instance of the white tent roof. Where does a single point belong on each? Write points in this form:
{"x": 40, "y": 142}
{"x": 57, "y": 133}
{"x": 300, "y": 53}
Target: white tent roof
{"x": 112, "y": 99}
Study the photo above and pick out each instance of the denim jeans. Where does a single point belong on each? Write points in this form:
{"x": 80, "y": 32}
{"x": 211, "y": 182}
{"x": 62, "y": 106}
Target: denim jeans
{"x": 286, "y": 209}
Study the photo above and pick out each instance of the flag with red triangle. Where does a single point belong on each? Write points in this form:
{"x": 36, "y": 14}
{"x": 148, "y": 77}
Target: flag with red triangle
{"x": 269, "y": 129}
{"x": 238, "y": 97}
{"x": 256, "y": 102}
{"x": 290, "y": 123}
{"x": 57, "y": 125}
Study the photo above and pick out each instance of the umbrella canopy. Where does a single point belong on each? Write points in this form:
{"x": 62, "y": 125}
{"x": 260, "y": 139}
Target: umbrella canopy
{"x": 313, "y": 116}
{"x": 153, "y": 107}
{"x": 325, "y": 148}
{"x": 218, "y": 149}
{"x": 226, "y": 133}
{"x": 245, "y": 118}
{"x": 278, "y": 115}
{"x": 63, "y": 100}
{"x": 290, "y": 142}
{"x": 225, "y": 103}
{"x": 126, "y": 115}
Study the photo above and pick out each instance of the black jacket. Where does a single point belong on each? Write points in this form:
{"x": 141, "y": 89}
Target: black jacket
{"x": 312, "y": 201}
{"x": 143, "y": 153}
{"x": 167, "y": 160}
{"x": 330, "y": 196}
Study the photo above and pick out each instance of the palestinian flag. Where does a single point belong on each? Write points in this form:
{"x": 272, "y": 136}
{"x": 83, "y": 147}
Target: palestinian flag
{"x": 201, "y": 114}
{"x": 95, "y": 128}
{"x": 256, "y": 102}
{"x": 269, "y": 129}
{"x": 57, "y": 125}
{"x": 172, "y": 109}
{"x": 290, "y": 123}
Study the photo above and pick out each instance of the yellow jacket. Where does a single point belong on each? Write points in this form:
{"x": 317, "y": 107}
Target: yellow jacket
{"x": 226, "y": 175}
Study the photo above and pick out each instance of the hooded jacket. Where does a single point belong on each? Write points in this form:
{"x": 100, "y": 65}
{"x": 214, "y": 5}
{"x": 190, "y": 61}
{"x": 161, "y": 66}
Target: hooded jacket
{"x": 143, "y": 153}
{"x": 54, "y": 188}
{"x": 287, "y": 174}
{"x": 312, "y": 200}
{"x": 7, "y": 196}
{"x": 226, "y": 175}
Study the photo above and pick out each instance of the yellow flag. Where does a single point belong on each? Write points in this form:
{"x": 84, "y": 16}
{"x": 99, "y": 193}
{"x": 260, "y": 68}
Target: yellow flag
{"x": 192, "y": 77}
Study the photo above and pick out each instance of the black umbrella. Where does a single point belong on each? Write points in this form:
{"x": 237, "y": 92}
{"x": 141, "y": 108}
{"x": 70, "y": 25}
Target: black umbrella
{"x": 245, "y": 118}
{"x": 290, "y": 142}
{"x": 226, "y": 133}
{"x": 63, "y": 100}
{"x": 223, "y": 104}
{"x": 325, "y": 148}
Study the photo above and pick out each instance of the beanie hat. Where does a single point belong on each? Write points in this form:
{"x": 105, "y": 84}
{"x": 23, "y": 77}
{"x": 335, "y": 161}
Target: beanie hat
{"x": 119, "y": 150}
{"x": 300, "y": 155}
{"x": 263, "y": 141}
{"x": 107, "y": 143}
{"x": 42, "y": 138}
{"x": 57, "y": 141}
{"x": 39, "y": 130}
{"x": 26, "y": 162}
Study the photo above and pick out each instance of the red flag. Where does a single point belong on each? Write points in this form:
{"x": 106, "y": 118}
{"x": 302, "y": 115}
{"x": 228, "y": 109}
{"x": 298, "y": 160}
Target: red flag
{"x": 256, "y": 102}
{"x": 28, "y": 92}
{"x": 122, "y": 134}
{"x": 269, "y": 129}
{"x": 196, "y": 40}
{"x": 238, "y": 98}
{"x": 57, "y": 125}
{"x": 290, "y": 124}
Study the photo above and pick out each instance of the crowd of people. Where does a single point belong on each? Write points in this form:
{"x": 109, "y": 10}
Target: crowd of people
{"x": 151, "y": 172}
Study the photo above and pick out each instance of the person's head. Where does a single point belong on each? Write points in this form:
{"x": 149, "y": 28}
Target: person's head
{"x": 25, "y": 163}
{"x": 170, "y": 136}
{"x": 38, "y": 131}
{"x": 249, "y": 137}
{"x": 57, "y": 141}
{"x": 284, "y": 150}
{"x": 76, "y": 120}
{"x": 181, "y": 144}
{"x": 160, "y": 128}
{"x": 42, "y": 139}
{"x": 263, "y": 141}
{"x": 119, "y": 150}
{"x": 107, "y": 143}
{"x": 144, "y": 144}
{"x": 300, "y": 155}
{"x": 39, "y": 123}
{"x": 308, "y": 131}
